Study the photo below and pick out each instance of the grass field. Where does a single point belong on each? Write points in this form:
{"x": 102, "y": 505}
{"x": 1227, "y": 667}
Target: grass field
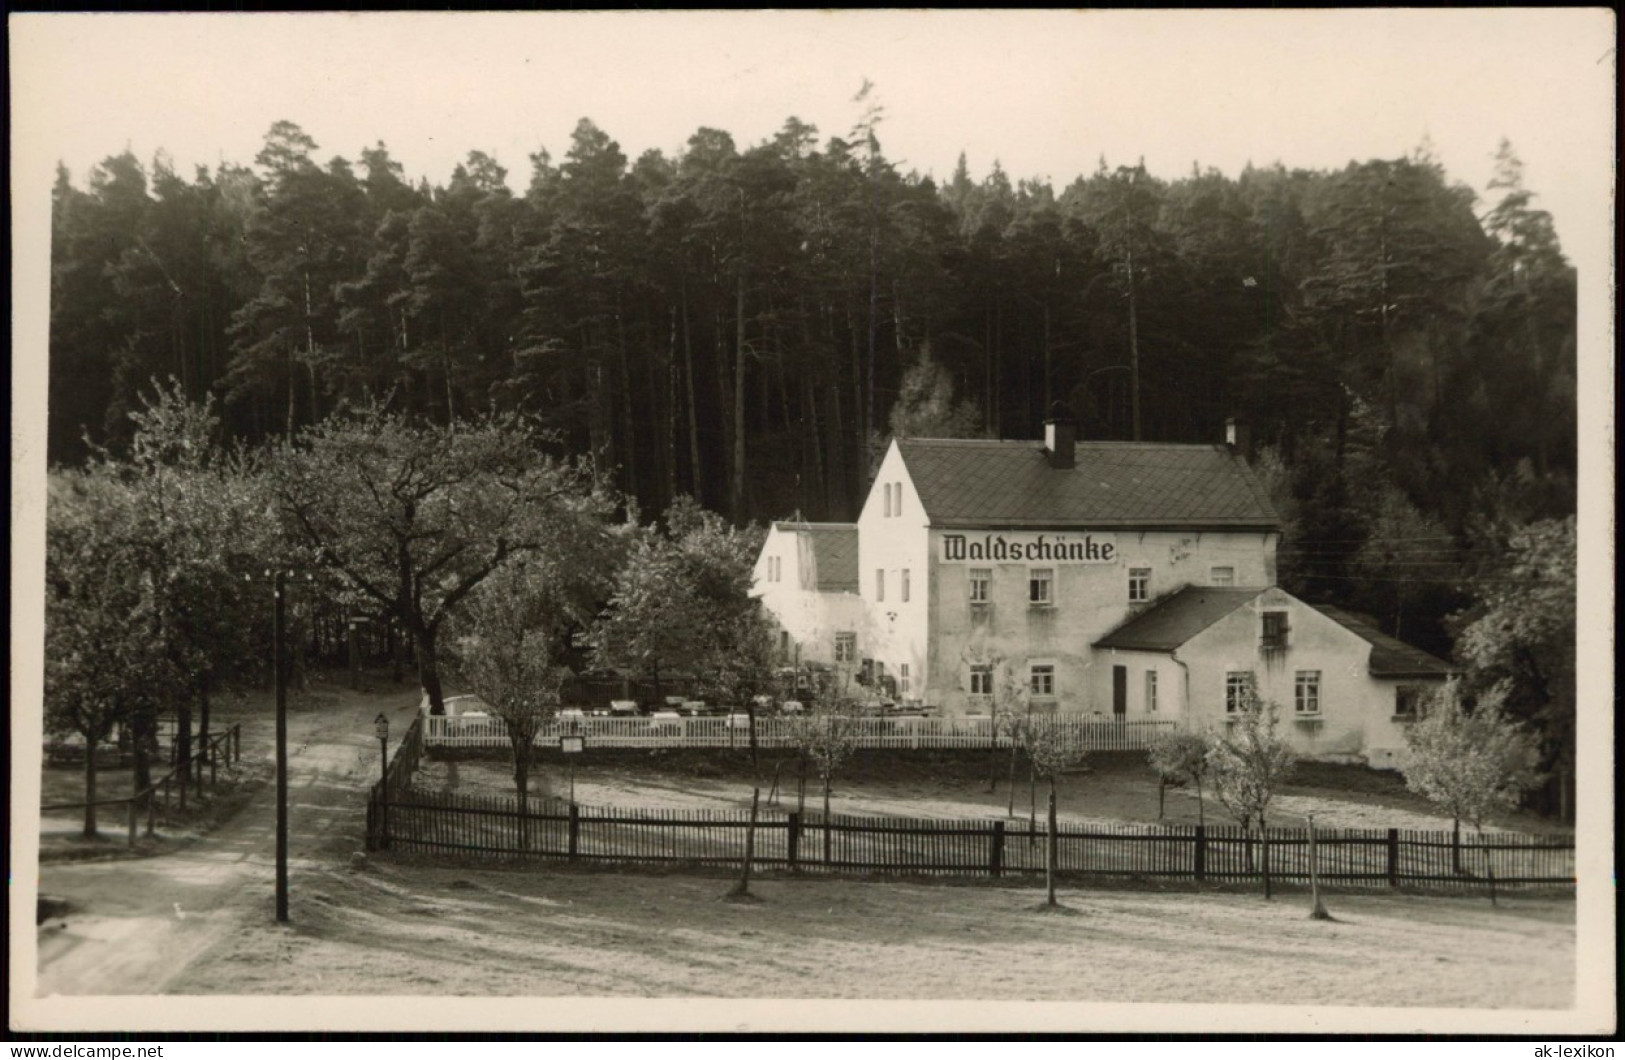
{"x": 1115, "y": 787}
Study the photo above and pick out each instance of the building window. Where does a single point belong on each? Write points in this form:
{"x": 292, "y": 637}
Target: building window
{"x": 1151, "y": 691}
{"x": 981, "y": 680}
{"x": 1139, "y": 584}
{"x": 1042, "y": 680}
{"x": 902, "y": 679}
{"x": 1222, "y": 576}
{"x": 880, "y": 585}
{"x": 1238, "y": 690}
{"x": 1041, "y": 587}
{"x": 981, "y": 580}
{"x": 846, "y": 647}
{"x": 1275, "y": 630}
{"x": 897, "y": 499}
{"x": 1306, "y": 692}
{"x": 784, "y": 644}
{"x": 904, "y": 587}
{"x": 1406, "y": 700}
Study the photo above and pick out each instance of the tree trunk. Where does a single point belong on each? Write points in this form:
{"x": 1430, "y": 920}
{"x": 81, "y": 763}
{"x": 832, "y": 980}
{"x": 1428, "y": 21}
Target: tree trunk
{"x": 743, "y": 886}
{"x": 90, "y": 788}
{"x": 737, "y": 492}
{"x": 521, "y": 783}
{"x": 183, "y": 749}
{"x": 203, "y": 707}
{"x": 1489, "y": 864}
{"x": 826, "y": 820}
{"x": 629, "y": 426}
{"x": 1049, "y": 848}
{"x": 423, "y": 643}
{"x": 1032, "y": 802}
{"x": 142, "y": 738}
{"x": 1317, "y": 908}
{"x": 1133, "y": 345}
{"x": 694, "y": 477}
{"x": 1014, "y": 748}
{"x": 1264, "y": 837}
{"x": 671, "y": 407}
{"x": 750, "y": 718}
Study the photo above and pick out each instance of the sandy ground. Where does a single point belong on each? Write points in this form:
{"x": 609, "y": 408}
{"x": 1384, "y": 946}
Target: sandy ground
{"x": 199, "y": 920}
{"x": 391, "y": 928}
{"x": 136, "y": 925}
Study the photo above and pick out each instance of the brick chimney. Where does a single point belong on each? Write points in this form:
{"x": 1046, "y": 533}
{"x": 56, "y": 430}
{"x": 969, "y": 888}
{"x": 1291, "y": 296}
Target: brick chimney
{"x": 1060, "y": 437}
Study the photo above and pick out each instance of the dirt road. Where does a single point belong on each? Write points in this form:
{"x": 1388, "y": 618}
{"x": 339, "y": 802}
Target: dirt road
{"x": 135, "y": 926}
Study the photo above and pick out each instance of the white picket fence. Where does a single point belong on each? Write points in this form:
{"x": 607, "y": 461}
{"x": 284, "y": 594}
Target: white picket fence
{"x": 1085, "y": 730}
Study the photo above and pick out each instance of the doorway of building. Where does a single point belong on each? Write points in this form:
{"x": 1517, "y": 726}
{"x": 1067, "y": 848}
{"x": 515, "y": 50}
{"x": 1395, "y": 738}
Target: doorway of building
{"x": 1119, "y": 690}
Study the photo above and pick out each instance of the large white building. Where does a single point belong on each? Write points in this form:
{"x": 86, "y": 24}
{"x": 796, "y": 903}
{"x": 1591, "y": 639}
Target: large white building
{"x": 1122, "y": 578}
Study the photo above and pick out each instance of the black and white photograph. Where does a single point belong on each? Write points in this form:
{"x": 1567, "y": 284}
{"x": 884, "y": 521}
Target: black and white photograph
{"x": 906, "y": 521}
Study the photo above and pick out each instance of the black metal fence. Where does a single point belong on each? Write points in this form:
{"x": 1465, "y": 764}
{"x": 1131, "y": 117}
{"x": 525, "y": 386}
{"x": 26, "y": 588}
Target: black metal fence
{"x": 415, "y": 821}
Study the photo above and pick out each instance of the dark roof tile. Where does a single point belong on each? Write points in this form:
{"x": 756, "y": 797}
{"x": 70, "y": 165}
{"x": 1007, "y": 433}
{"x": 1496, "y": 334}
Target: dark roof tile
{"x": 1390, "y": 656}
{"x": 1173, "y": 621}
{"x": 835, "y": 553}
{"x": 1128, "y": 484}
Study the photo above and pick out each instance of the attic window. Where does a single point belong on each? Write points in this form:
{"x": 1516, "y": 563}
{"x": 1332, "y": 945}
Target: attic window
{"x": 1275, "y": 631}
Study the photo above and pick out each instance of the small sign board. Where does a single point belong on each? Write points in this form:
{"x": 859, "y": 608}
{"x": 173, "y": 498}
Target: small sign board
{"x": 572, "y": 745}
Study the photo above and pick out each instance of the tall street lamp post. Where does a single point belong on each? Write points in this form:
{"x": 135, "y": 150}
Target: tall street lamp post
{"x": 380, "y": 725}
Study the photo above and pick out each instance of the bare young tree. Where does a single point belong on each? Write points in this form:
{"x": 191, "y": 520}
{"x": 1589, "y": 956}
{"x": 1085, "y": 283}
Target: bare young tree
{"x": 1053, "y": 750}
{"x": 1248, "y": 766}
{"x": 1472, "y": 763}
{"x": 826, "y": 735}
{"x": 992, "y": 676}
{"x": 506, "y": 657}
{"x": 1179, "y": 758}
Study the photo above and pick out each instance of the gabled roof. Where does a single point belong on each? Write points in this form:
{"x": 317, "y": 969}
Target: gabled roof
{"x": 834, "y": 553}
{"x": 1390, "y": 657}
{"x": 1166, "y": 625}
{"x": 972, "y": 483}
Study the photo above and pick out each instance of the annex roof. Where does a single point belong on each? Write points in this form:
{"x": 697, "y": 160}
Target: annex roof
{"x": 972, "y": 483}
{"x": 1390, "y": 656}
{"x": 1165, "y": 626}
{"x": 834, "y": 553}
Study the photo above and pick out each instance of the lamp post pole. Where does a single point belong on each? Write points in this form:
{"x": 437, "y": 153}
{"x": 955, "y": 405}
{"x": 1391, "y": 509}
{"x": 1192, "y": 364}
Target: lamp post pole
{"x": 281, "y": 680}
{"x": 381, "y": 727}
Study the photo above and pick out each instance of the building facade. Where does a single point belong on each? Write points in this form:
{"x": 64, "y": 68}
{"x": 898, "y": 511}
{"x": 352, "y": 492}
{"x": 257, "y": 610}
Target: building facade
{"x": 807, "y": 578}
{"x": 1120, "y": 578}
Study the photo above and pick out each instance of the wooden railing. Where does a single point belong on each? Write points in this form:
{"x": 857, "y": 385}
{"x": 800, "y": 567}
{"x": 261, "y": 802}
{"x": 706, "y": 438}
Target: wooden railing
{"x": 1083, "y": 730}
{"x": 431, "y": 822}
{"x": 224, "y": 748}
